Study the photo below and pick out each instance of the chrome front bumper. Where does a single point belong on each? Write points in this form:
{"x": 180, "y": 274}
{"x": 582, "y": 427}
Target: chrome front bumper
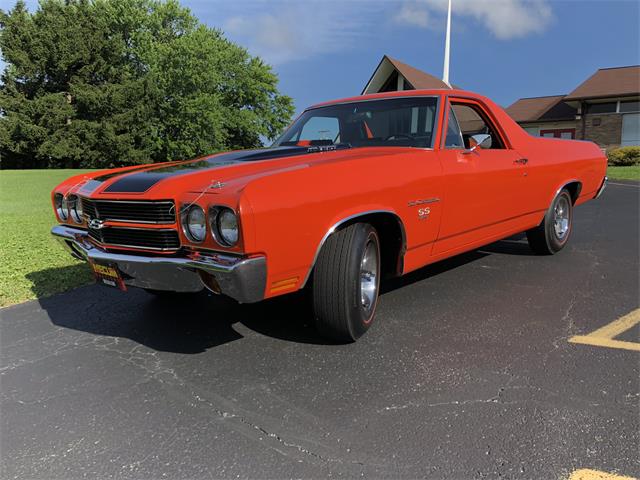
{"x": 240, "y": 278}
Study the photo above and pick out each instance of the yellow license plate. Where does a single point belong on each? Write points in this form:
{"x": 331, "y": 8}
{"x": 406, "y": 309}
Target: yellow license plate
{"x": 108, "y": 275}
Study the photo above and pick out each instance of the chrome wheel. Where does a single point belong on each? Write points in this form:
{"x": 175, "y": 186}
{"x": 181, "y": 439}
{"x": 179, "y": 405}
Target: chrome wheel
{"x": 369, "y": 277}
{"x": 561, "y": 217}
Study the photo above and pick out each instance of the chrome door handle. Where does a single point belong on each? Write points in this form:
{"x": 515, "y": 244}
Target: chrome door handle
{"x": 521, "y": 161}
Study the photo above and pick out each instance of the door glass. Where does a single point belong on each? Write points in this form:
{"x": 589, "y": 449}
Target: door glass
{"x": 472, "y": 122}
{"x": 454, "y": 137}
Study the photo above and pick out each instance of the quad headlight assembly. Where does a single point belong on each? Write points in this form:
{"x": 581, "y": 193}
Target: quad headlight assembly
{"x": 224, "y": 226}
{"x": 194, "y": 223}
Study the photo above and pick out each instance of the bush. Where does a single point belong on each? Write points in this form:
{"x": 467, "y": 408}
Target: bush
{"x": 624, "y": 156}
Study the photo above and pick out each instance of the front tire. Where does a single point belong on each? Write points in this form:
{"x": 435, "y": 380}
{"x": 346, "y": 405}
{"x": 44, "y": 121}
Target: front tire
{"x": 553, "y": 233}
{"x": 346, "y": 282}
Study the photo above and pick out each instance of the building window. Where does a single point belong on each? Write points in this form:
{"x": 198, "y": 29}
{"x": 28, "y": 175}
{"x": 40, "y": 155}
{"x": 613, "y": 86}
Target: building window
{"x": 631, "y": 106}
{"x": 630, "y": 129}
{"x": 609, "y": 107}
{"x": 535, "y": 131}
{"x": 566, "y": 133}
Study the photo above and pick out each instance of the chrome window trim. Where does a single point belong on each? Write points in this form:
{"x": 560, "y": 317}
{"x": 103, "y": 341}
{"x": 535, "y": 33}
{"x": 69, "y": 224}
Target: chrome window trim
{"x": 444, "y": 131}
{"x": 500, "y": 131}
{"x": 435, "y": 118}
{"x": 314, "y": 107}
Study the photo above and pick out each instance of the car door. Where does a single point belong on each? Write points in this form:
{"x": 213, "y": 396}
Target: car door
{"x": 482, "y": 185}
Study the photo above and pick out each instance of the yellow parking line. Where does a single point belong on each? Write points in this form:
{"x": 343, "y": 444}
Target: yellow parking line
{"x": 605, "y": 342}
{"x": 586, "y": 474}
{"x": 605, "y": 336}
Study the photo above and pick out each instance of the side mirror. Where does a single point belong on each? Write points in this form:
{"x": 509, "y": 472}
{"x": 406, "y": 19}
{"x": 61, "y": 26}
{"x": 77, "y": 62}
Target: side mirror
{"x": 482, "y": 140}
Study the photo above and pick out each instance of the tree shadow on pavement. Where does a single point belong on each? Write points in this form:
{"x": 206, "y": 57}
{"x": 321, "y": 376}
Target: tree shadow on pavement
{"x": 193, "y": 323}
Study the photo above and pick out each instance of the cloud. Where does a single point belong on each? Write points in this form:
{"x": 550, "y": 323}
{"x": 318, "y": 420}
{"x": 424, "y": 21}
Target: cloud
{"x": 505, "y": 19}
{"x": 283, "y": 31}
{"x": 413, "y": 13}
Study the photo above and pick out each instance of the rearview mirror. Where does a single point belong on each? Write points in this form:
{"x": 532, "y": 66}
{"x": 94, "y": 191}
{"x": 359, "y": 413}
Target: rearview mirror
{"x": 482, "y": 140}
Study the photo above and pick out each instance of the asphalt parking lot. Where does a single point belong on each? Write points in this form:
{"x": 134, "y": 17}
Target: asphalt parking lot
{"x": 467, "y": 373}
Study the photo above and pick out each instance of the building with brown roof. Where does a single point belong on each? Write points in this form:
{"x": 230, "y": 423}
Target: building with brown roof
{"x": 605, "y": 109}
{"x": 392, "y": 75}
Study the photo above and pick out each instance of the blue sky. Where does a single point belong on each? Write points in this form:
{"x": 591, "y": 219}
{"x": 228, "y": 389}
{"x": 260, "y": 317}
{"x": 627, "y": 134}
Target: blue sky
{"x": 505, "y": 49}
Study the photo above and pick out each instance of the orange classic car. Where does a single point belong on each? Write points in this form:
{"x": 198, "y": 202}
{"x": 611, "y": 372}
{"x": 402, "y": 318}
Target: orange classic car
{"x": 354, "y": 190}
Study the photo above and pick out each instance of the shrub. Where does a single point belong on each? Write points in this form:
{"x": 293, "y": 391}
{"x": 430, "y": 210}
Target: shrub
{"x": 624, "y": 156}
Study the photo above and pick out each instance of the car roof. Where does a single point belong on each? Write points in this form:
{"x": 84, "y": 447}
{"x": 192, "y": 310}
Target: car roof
{"x": 398, "y": 94}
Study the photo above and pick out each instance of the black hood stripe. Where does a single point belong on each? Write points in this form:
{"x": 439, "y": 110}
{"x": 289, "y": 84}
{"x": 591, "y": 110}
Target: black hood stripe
{"x": 141, "y": 180}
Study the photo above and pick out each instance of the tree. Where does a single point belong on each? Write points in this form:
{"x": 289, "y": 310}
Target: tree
{"x": 105, "y": 83}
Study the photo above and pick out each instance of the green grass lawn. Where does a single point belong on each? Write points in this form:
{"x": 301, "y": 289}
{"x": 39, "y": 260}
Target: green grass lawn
{"x": 624, "y": 173}
{"x": 32, "y": 263}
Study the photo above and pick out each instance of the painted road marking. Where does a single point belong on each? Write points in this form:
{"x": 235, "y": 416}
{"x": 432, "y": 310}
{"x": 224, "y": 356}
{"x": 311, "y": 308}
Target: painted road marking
{"x": 605, "y": 336}
{"x": 586, "y": 474}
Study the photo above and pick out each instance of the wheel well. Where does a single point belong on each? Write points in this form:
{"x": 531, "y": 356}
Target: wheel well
{"x": 393, "y": 242}
{"x": 574, "y": 189}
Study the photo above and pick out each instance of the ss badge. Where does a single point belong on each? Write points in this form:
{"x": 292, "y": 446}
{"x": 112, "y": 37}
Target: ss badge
{"x": 423, "y": 213}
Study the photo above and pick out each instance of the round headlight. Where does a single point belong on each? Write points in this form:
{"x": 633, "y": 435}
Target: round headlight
{"x": 227, "y": 227}
{"x": 61, "y": 206}
{"x": 75, "y": 208}
{"x": 196, "y": 224}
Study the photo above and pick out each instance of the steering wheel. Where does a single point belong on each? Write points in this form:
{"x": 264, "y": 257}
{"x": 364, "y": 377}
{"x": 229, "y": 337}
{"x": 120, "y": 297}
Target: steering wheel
{"x": 398, "y": 135}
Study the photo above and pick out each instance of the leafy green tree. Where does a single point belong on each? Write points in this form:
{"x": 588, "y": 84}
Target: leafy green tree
{"x": 101, "y": 83}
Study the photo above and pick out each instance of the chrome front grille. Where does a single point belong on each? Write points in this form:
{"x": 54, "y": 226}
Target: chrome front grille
{"x": 147, "y": 238}
{"x": 135, "y": 211}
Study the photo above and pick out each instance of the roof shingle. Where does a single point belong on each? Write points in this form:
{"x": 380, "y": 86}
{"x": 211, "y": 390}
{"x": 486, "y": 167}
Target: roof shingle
{"x": 531, "y": 109}
{"x": 609, "y": 82}
{"x": 417, "y": 78}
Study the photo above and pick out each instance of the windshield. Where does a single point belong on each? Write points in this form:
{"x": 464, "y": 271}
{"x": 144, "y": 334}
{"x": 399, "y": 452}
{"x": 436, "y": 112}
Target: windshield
{"x": 398, "y": 122}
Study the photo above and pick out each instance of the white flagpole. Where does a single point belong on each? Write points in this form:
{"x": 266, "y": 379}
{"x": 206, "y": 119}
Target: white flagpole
{"x": 447, "y": 46}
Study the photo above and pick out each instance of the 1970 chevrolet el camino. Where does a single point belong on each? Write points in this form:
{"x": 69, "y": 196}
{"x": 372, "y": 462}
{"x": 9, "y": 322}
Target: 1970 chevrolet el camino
{"x": 354, "y": 190}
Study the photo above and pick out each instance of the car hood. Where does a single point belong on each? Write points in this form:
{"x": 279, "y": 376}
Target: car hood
{"x": 224, "y": 171}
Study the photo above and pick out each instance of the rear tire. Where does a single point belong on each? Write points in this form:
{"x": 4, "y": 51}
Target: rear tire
{"x": 346, "y": 282}
{"x": 553, "y": 233}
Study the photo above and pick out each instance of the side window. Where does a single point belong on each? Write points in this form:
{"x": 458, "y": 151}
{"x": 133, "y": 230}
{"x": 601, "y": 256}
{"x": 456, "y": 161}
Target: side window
{"x": 320, "y": 128}
{"x": 472, "y": 121}
{"x": 453, "y": 138}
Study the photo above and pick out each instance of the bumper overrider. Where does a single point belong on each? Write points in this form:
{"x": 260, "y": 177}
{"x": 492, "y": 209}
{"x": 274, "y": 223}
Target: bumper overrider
{"x": 240, "y": 278}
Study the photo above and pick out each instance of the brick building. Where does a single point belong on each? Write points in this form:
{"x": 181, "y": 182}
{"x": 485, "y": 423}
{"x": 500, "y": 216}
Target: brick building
{"x": 605, "y": 108}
